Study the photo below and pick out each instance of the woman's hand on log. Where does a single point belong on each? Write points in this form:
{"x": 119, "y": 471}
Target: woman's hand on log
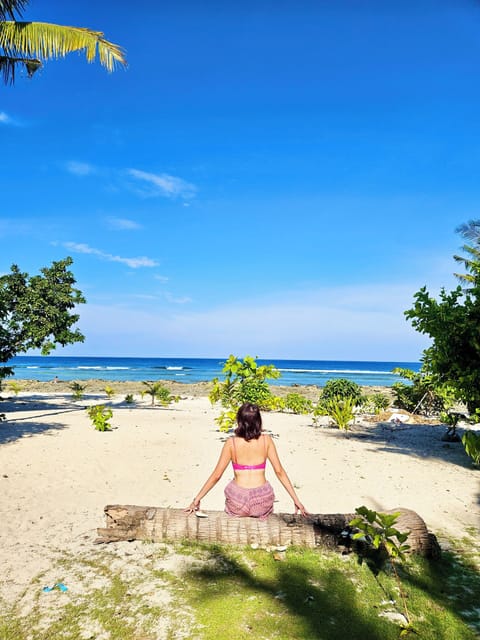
{"x": 300, "y": 508}
{"x": 192, "y": 507}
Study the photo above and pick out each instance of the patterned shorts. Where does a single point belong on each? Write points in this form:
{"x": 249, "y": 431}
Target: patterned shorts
{"x": 255, "y": 503}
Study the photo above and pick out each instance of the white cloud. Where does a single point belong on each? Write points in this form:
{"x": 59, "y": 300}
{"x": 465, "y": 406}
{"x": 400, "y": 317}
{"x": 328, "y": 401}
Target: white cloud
{"x": 354, "y": 323}
{"x": 8, "y": 120}
{"x": 176, "y": 299}
{"x": 80, "y": 168}
{"x": 161, "y": 278}
{"x": 133, "y": 263}
{"x": 163, "y": 184}
{"x": 123, "y": 224}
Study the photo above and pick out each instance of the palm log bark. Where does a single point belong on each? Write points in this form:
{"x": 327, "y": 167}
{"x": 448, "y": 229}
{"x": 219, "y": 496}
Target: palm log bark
{"x": 130, "y": 522}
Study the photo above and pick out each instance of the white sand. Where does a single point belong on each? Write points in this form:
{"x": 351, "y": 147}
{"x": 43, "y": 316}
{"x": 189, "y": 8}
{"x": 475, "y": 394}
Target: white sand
{"x": 57, "y": 473}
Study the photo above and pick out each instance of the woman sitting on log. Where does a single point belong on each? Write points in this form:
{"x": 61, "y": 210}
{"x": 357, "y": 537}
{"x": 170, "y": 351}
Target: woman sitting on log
{"x": 249, "y": 493}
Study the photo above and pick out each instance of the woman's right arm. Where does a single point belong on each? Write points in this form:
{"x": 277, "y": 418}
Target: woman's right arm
{"x": 281, "y": 474}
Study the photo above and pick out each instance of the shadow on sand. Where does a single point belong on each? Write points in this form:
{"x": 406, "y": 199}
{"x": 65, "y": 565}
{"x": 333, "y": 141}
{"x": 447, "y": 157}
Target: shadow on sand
{"x": 11, "y": 431}
{"x": 22, "y": 417}
{"x": 418, "y": 440}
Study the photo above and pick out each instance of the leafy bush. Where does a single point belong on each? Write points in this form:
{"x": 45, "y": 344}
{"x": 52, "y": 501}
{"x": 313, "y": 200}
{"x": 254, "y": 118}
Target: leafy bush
{"x": 129, "y": 399}
{"x": 377, "y": 529}
{"x": 245, "y": 381}
{"x": 256, "y": 391}
{"x": 377, "y": 532}
{"x": 377, "y": 402}
{"x": 273, "y": 403}
{"x": 110, "y": 391}
{"x": 341, "y": 411}
{"x": 423, "y": 395}
{"x": 100, "y": 415}
{"x": 78, "y": 390}
{"x": 471, "y": 442}
{"x": 341, "y": 388}
{"x": 320, "y": 409}
{"x": 159, "y": 392}
{"x": 296, "y": 403}
{"x": 15, "y": 386}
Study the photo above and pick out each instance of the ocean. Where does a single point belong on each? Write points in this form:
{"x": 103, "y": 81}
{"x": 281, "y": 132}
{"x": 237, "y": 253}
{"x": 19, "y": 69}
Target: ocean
{"x": 293, "y": 372}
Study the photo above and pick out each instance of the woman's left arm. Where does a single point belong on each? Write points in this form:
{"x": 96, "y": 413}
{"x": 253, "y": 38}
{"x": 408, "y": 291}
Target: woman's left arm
{"x": 214, "y": 477}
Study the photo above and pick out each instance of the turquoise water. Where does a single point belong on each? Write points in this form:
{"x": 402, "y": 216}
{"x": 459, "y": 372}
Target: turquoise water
{"x": 293, "y": 372}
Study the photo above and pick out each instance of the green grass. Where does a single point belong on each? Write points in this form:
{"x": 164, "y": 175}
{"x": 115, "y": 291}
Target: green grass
{"x": 221, "y": 592}
{"x": 249, "y": 594}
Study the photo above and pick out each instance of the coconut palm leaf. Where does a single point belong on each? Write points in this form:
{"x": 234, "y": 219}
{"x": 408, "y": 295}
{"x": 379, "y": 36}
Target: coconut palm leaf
{"x": 8, "y": 8}
{"x": 470, "y": 230}
{"x": 9, "y": 65}
{"x": 471, "y": 262}
{"x": 29, "y": 43}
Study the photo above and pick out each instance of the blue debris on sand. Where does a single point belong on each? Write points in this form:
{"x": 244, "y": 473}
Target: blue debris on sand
{"x": 58, "y": 585}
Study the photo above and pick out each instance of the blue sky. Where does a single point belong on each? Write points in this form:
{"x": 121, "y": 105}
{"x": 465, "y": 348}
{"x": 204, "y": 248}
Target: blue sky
{"x": 271, "y": 178}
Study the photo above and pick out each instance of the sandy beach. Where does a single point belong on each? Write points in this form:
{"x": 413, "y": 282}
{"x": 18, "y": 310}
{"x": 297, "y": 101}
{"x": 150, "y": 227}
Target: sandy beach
{"x": 57, "y": 473}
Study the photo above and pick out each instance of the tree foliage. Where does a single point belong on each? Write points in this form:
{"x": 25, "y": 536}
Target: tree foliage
{"x": 469, "y": 231}
{"x": 29, "y": 44}
{"x": 341, "y": 388}
{"x": 36, "y": 311}
{"x": 245, "y": 381}
{"x": 453, "y": 323}
{"x": 425, "y": 394}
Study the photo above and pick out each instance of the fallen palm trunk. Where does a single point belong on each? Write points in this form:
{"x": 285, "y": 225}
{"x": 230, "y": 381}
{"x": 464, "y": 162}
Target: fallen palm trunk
{"x": 129, "y": 522}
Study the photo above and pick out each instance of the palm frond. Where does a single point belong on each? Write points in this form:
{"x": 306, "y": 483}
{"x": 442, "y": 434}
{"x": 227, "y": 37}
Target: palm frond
{"x": 41, "y": 40}
{"x": 473, "y": 251}
{"x": 464, "y": 277}
{"x": 8, "y": 8}
{"x": 8, "y": 66}
{"x": 470, "y": 230}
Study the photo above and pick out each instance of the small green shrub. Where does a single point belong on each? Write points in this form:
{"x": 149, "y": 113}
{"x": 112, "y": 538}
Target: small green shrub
{"x": 319, "y": 410}
{"x": 100, "y": 415}
{"x": 273, "y": 403}
{"x": 341, "y": 388}
{"x": 377, "y": 532}
{"x": 245, "y": 381}
{"x": 296, "y": 403}
{"x": 341, "y": 411}
{"x": 110, "y": 391}
{"x": 380, "y": 402}
{"x": 15, "y": 386}
{"x": 377, "y": 402}
{"x": 449, "y": 419}
{"x": 471, "y": 442}
{"x": 159, "y": 392}
{"x": 129, "y": 399}
{"x": 423, "y": 394}
{"x": 78, "y": 390}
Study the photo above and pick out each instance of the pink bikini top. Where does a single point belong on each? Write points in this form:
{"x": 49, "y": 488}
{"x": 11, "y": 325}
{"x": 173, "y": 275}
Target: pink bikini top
{"x": 243, "y": 467}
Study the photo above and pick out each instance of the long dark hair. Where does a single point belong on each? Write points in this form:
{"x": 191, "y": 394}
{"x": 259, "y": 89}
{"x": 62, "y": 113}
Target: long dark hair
{"x": 249, "y": 422}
